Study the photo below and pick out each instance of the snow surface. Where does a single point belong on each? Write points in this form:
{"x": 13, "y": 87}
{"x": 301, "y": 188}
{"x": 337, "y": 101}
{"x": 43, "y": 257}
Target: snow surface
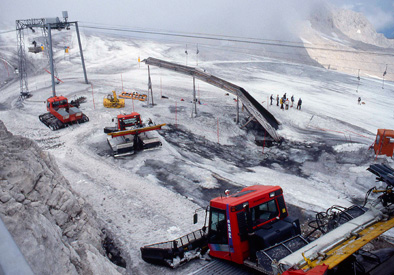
{"x": 152, "y": 196}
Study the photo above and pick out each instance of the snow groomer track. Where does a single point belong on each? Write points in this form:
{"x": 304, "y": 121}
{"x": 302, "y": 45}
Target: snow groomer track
{"x": 258, "y": 112}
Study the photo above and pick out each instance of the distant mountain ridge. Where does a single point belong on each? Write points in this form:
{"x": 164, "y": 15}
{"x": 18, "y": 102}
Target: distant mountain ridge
{"x": 346, "y": 41}
{"x": 352, "y": 24}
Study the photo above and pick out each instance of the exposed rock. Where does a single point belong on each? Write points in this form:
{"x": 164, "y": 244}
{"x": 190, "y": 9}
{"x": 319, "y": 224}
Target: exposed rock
{"x": 56, "y": 231}
{"x": 346, "y": 41}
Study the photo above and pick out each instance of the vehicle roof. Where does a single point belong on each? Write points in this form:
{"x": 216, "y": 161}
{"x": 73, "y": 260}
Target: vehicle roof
{"x": 386, "y": 132}
{"x": 133, "y": 114}
{"x": 249, "y": 194}
{"x": 56, "y": 98}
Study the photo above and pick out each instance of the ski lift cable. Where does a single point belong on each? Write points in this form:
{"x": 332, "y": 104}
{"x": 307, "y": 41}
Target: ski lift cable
{"x": 306, "y": 55}
{"x": 263, "y": 42}
{"x": 251, "y": 42}
{"x": 292, "y": 59}
{"x": 2, "y": 32}
{"x": 194, "y": 33}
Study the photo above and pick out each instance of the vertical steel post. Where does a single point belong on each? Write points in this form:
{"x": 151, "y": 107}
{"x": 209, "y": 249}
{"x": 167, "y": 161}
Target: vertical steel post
{"x": 150, "y": 91}
{"x": 51, "y": 59}
{"x": 80, "y": 51}
{"x": 237, "y": 119}
{"x": 194, "y": 97}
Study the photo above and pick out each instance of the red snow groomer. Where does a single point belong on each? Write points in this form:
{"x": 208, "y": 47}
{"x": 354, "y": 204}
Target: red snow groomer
{"x": 130, "y": 135}
{"x": 61, "y": 113}
{"x": 252, "y": 228}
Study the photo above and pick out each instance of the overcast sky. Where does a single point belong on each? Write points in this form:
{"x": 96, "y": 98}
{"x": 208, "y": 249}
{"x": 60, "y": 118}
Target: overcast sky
{"x": 251, "y": 18}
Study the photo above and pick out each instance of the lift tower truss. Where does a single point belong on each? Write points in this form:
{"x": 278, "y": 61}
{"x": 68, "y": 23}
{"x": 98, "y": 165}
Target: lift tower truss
{"x": 46, "y": 24}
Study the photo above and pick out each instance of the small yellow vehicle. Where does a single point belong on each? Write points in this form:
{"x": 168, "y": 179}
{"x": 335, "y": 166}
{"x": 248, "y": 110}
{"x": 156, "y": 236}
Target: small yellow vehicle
{"x": 112, "y": 101}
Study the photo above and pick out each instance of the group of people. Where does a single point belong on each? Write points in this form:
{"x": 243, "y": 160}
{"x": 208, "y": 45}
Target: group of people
{"x": 285, "y": 102}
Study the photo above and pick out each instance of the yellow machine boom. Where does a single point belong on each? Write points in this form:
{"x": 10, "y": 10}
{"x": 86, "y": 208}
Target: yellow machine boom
{"x": 345, "y": 249}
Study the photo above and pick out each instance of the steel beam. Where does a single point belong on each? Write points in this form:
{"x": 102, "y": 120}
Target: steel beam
{"x": 51, "y": 59}
{"x": 81, "y": 52}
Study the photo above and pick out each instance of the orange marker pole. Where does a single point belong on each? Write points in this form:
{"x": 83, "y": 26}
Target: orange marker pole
{"x": 176, "y": 108}
{"x": 218, "y": 130}
{"x": 94, "y": 106}
{"x": 121, "y": 78}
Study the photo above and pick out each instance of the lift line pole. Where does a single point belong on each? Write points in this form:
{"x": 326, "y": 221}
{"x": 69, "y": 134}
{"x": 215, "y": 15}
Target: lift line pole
{"x": 150, "y": 91}
{"x": 51, "y": 59}
{"x": 194, "y": 108}
{"x": 81, "y": 52}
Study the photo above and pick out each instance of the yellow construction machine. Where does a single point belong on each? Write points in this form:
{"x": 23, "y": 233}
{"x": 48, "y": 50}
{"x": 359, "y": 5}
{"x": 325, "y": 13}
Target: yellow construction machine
{"x": 112, "y": 101}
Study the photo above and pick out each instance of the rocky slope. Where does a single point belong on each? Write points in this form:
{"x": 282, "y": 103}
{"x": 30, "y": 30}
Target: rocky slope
{"x": 55, "y": 229}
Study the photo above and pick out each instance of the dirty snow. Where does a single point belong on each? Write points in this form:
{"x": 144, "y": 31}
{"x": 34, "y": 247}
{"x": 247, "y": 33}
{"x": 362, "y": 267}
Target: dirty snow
{"x": 151, "y": 197}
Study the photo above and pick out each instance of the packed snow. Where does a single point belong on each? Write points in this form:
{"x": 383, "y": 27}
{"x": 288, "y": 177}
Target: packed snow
{"x": 151, "y": 196}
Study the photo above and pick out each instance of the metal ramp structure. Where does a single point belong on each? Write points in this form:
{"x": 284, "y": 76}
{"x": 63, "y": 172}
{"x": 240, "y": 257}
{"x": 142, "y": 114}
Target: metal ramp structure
{"x": 255, "y": 109}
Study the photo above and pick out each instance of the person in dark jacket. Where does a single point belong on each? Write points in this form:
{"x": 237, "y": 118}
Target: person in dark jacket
{"x": 272, "y": 98}
{"x": 299, "y": 104}
{"x": 292, "y": 100}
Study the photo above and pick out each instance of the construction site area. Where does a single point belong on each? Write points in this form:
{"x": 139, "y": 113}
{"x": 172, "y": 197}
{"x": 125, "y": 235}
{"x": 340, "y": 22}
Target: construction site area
{"x": 188, "y": 161}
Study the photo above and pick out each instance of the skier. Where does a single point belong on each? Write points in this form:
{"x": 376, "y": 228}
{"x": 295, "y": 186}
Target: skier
{"x": 272, "y": 98}
{"x": 287, "y": 104}
{"x": 359, "y": 100}
{"x": 281, "y": 103}
{"x": 277, "y": 100}
{"x": 292, "y": 101}
{"x": 299, "y": 104}
{"x": 284, "y": 96}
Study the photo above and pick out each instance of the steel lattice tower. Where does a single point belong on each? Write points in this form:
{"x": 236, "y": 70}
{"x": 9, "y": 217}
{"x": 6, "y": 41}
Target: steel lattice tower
{"x": 46, "y": 24}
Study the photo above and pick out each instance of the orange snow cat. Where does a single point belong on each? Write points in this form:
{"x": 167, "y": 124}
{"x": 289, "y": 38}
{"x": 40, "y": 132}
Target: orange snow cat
{"x": 384, "y": 142}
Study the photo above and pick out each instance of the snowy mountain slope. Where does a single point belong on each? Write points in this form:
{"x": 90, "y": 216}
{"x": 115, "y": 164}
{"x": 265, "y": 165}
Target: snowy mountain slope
{"x": 346, "y": 41}
{"x": 152, "y": 196}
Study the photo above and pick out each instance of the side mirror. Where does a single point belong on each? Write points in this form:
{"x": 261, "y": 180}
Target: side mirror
{"x": 195, "y": 218}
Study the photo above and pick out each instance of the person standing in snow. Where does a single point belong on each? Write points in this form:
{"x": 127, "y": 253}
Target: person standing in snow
{"x": 281, "y": 103}
{"x": 272, "y": 98}
{"x": 359, "y": 100}
{"x": 277, "y": 100}
{"x": 284, "y": 96}
{"x": 287, "y": 104}
{"x": 299, "y": 104}
{"x": 292, "y": 100}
